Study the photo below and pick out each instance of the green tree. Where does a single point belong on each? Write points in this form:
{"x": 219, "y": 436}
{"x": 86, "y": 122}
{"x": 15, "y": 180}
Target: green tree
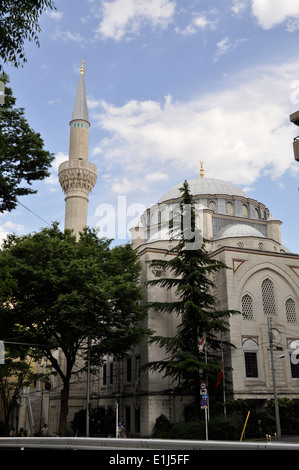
{"x": 15, "y": 374}
{"x": 22, "y": 156}
{"x": 19, "y": 22}
{"x": 66, "y": 291}
{"x": 190, "y": 269}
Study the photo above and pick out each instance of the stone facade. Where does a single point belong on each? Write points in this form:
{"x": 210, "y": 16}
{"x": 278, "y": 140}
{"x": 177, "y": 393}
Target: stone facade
{"x": 262, "y": 281}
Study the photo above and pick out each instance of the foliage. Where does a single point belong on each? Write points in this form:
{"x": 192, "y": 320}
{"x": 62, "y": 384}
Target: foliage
{"x": 262, "y": 418}
{"x": 66, "y": 291}
{"x": 101, "y": 422}
{"x": 286, "y": 416}
{"x": 162, "y": 427}
{"x": 22, "y": 156}
{"x": 15, "y": 373}
{"x": 19, "y": 23}
{"x": 190, "y": 269}
{"x": 219, "y": 428}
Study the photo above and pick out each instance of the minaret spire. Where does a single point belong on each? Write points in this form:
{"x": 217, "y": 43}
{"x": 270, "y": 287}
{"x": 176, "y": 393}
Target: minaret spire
{"x": 77, "y": 176}
{"x": 201, "y": 170}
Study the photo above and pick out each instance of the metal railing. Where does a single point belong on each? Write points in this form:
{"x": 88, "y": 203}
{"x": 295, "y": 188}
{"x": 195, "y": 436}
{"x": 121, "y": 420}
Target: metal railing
{"x": 84, "y": 443}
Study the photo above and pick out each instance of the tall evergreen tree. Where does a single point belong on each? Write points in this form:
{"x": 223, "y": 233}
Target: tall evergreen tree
{"x": 190, "y": 269}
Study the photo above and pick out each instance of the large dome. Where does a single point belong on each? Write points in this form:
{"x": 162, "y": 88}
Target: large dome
{"x": 205, "y": 186}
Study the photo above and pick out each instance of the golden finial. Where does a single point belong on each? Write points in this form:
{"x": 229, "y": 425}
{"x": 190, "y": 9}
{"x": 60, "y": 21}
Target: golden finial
{"x": 201, "y": 170}
{"x": 82, "y": 67}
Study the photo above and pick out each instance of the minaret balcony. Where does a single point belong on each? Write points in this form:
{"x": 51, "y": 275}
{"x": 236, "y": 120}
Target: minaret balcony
{"x": 77, "y": 174}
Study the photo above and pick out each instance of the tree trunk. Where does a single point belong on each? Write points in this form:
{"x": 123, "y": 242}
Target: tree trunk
{"x": 64, "y": 407}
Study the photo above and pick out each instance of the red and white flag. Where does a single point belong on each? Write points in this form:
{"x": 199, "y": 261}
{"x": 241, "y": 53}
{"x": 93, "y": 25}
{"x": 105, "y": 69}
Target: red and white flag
{"x": 201, "y": 344}
{"x": 220, "y": 376}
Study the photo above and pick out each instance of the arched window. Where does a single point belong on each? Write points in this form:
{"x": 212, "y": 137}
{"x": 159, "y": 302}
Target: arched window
{"x": 230, "y": 208}
{"x": 247, "y": 307}
{"x": 250, "y": 349}
{"x": 245, "y": 212}
{"x": 212, "y": 205}
{"x": 290, "y": 310}
{"x": 268, "y": 297}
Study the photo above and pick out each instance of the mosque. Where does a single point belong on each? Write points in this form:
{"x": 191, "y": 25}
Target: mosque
{"x": 262, "y": 282}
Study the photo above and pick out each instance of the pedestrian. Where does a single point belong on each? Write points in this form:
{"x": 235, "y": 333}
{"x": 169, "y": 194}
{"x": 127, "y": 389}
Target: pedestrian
{"x": 45, "y": 431}
{"x": 123, "y": 430}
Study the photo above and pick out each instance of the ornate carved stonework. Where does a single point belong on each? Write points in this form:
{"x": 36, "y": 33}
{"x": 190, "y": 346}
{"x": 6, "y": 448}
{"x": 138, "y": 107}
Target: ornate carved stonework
{"x": 77, "y": 176}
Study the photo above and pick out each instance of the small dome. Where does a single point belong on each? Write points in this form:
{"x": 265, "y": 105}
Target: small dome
{"x": 205, "y": 186}
{"x": 240, "y": 230}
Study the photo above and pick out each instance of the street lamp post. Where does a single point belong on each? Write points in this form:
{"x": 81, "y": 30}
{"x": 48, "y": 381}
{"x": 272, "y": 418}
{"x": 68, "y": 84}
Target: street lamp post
{"x": 277, "y": 418}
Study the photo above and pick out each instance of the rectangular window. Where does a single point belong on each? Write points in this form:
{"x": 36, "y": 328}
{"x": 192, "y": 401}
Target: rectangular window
{"x": 104, "y": 374}
{"x": 251, "y": 368}
{"x": 111, "y": 373}
{"x": 137, "y": 369}
{"x": 129, "y": 369}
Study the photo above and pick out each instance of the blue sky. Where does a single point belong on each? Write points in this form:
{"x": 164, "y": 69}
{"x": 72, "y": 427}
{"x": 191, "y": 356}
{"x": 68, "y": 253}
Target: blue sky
{"x": 169, "y": 83}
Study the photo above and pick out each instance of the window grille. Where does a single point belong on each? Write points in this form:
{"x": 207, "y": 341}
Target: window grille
{"x": 251, "y": 369}
{"x": 247, "y": 307}
{"x": 250, "y": 349}
{"x": 212, "y": 205}
{"x": 261, "y": 246}
{"x": 229, "y": 208}
{"x": 240, "y": 245}
{"x": 290, "y": 310}
{"x": 268, "y": 297}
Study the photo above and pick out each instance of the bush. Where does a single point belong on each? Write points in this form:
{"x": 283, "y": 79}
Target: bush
{"x": 101, "y": 422}
{"x": 191, "y": 430}
{"x": 218, "y": 429}
{"x": 224, "y": 429}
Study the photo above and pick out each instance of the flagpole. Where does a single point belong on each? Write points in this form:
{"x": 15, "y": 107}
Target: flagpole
{"x": 223, "y": 377}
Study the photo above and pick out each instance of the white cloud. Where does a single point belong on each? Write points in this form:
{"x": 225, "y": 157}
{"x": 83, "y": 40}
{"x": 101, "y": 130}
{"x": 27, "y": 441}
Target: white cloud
{"x": 273, "y": 12}
{"x": 55, "y": 15}
{"x": 225, "y": 46}
{"x": 157, "y": 176}
{"x": 13, "y": 227}
{"x": 67, "y": 36}
{"x": 239, "y": 6}
{"x": 125, "y": 186}
{"x": 54, "y": 101}
{"x": 240, "y": 132}
{"x": 199, "y": 22}
{"x": 9, "y": 227}
{"x": 121, "y": 18}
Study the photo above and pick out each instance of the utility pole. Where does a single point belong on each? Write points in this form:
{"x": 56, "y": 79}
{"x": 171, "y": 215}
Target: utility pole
{"x": 88, "y": 388}
{"x": 274, "y": 379}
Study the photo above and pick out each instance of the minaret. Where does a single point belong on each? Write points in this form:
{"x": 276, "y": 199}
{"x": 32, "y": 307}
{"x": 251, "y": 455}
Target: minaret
{"x": 77, "y": 176}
